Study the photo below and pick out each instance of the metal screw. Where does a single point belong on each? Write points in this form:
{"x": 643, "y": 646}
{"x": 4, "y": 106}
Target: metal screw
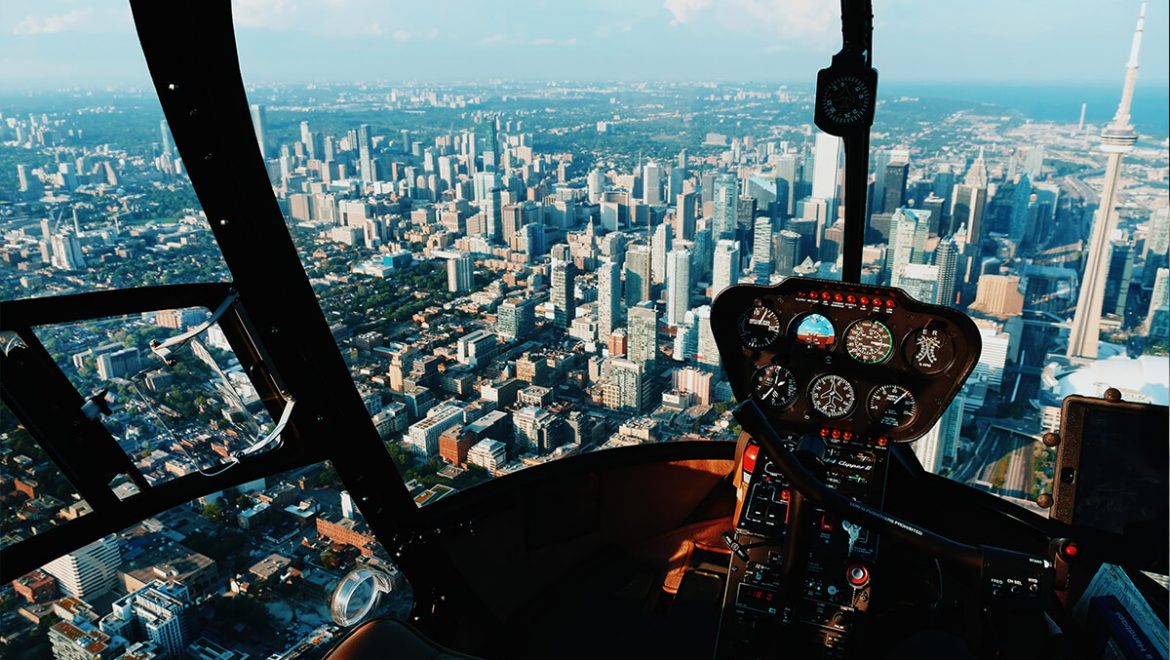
{"x": 172, "y": 87}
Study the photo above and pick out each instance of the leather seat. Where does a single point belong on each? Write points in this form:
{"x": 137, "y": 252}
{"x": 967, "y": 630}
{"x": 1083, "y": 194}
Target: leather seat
{"x": 390, "y": 638}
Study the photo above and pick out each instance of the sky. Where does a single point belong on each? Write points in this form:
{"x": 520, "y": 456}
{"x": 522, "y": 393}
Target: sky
{"x": 48, "y": 44}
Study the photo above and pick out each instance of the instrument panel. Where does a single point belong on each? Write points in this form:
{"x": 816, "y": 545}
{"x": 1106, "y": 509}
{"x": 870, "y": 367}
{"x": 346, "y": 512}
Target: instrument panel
{"x": 819, "y": 354}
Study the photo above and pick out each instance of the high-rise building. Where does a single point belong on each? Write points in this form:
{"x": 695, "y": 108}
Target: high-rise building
{"x": 642, "y": 332}
{"x": 637, "y": 274}
{"x": 919, "y": 281}
{"x": 563, "y": 297}
{"x": 939, "y": 447}
{"x": 1018, "y": 225}
{"x": 724, "y": 202}
{"x": 1116, "y": 140}
{"x": 993, "y": 357}
{"x": 678, "y": 286}
{"x": 894, "y": 190}
{"x": 684, "y": 216}
{"x": 1159, "y": 297}
{"x": 659, "y": 245}
{"x": 515, "y": 318}
{"x": 630, "y": 378}
{"x": 159, "y": 610}
{"x": 946, "y": 257}
{"x": 259, "y": 124}
{"x": 967, "y": 206}
{"x": 907, "y": 243}
{"x": 459, "y": 275}
{"x": 652, "y": 183}
{"x": 22, "y": 177}
{"x": 609, "y": 298}
{"x": 1119, "y": 278}
{"x": 826, "y": 168}
{"x": 762, "y": 250}
{"x": 788, "y": 253}
{"x": 999, "y": 296}
{"x": 726, "y": 266}
{"x": 707, "y": 351}
{"x": 88, "y": 572}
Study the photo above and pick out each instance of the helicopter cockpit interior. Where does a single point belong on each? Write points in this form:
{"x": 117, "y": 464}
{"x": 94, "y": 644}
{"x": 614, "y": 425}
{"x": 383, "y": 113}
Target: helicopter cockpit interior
{"x": 800, "y": 522}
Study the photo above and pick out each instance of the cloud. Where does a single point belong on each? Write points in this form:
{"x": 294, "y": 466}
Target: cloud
{"x": 402, "y": 35}
{"x": 805, "y": 20}
{"x": 684, "y": 10}
{"x": 494, "y": 39}
{"x": 268, "y": 14}
{"x": 67, "y": 22}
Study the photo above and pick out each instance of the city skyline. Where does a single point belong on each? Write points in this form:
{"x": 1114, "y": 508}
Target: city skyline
{"x": 770, "y": 40}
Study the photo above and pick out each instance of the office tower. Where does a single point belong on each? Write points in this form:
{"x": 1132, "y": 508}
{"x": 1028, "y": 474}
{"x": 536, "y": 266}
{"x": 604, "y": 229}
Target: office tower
{"x": 66, "y": 251}
{"x": 940, "y": 446}
{"x": 686, "y": 338}
{"x": 999, "y": 296}
{"x": 259, "y": 124}
{"x": 907, "y": 242}
{"x": 159, "y": 610}
{"x": 703, "y": 252}
{"x": 726, "y": 267}
{"x": 652, "y": 183}
{"x": 1159, "y": 298}
{"x": 967, "y": 206}
{"x": 806, "y": 228}
{"x": 946, "y": 257}
{"x": 88, "y": 572}
{"x": 365, "y": 157}
{"x": 976, "y": 176}
{"x": 787, "y": 252}
{"x": 936, "y": 205}
{"x": 684, "y": 216}
{"x": 630, "y": 378}
{"x": 825, "y": 171}
{"x": 515, "y": 318}
{"x": 637, "y": 273}
{"x": 993, "y": 357}
{"x": 459, "y": 277}
{"x": 789, "y": 173}
{"x": 165, "y": 135}
{"x": 678, "y": 285}
{"x": 1118, "y": 280}
{"x": 659, "y": 245}
{"x": 724, "y": 201}
{"x": 762, "y": 250}
{"x": 609, "y": 298}
{"x": 894, "y": 190}
{"x": 642, "y": 332}
{"x": 563, "y": 297}
{"x": 919, "y": 281}
{"x": 1018, "y": 226}
{"x": 1116, "y": 140}
{"x": 831, "y": 244}
{"x": 595, "y": 185}
{"x": 1034, "y": 160}
{"x": 708, "y": 351}
{"x": 22, "y": 177}
{"x": 1158, "y": 236}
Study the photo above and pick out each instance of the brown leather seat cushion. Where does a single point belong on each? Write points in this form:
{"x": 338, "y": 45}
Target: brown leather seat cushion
{"x": 390, "y": 638}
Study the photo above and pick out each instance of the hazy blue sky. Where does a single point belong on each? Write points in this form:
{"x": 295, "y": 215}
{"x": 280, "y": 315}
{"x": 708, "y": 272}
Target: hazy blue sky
{"x": 57, "y": 43}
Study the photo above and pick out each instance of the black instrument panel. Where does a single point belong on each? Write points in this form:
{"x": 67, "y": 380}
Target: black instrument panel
{"x": 819, "y": 354}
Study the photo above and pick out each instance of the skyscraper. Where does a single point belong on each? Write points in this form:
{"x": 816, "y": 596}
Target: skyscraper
{"x": 1116, "y": 140}
{"x": 762, "y": 250}
{"x": 825, "y": 169}
{"x": 88, "y": 572}
{"x": 637, "y": 274}
{"x": 939, "y": 447}
{"x": 724, "y": 201}
{"x": 895, "y": 185}
{"x": 678, "y": 286}
{"x": 787, "y": 252}
{"x": 946, "y": 257}
{"x": 563, "y": 297}
{"x": 609, "y": 299}
{"x": 684, "y": 216}
{"x": 652, "y": 183}
{"x": 159, "y": 610}
{"x": 659, "y": 245}
{"x": 259, "y": 124}
{"x": 459, "y": 273}
{"x": 726, "y": 267}
{"x": 642, "y": 326}
{"x": 907, "y": 244}
{"x": 967, "y": 206}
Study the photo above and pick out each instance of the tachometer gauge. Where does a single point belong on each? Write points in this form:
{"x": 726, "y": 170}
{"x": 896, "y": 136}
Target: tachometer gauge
{"x": 832, "y": 396}
{"x": 892, "y": 405}
{"x": 869, "y": 341}
{"x": 930, "y": 350}
{"x": 759, "y": 326}
{"x": 773, "y": 385}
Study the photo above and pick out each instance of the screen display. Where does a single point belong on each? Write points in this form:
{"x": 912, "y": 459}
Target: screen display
{"x": 1122, "y": 482}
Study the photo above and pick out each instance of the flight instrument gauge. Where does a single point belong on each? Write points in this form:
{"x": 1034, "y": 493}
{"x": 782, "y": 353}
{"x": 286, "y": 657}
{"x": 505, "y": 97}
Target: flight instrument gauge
{"x": 832, "y": 396}
{"x": 773, "y": 385}
{"x": 759, "y": 326}
{"x": 892, "y": 406}
{"x": 869, "y": 341}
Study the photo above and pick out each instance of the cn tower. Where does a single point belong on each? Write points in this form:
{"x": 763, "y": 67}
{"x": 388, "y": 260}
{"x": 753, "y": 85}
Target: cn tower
{"x": 1116, "y": 140}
